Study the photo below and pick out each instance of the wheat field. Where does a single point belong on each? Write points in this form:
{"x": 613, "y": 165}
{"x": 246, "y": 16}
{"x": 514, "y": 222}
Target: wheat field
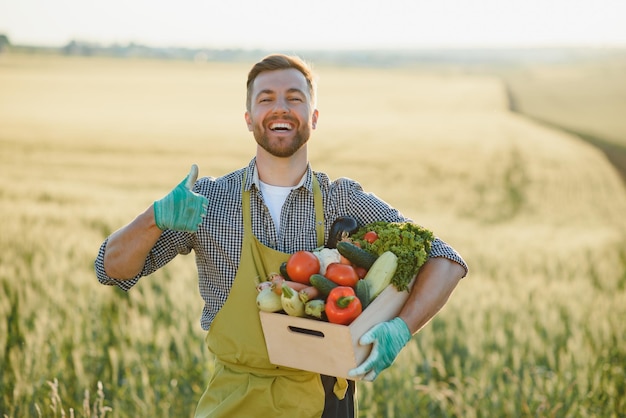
{"x": 588, "y": 98}
{"x": 535, "y": 330}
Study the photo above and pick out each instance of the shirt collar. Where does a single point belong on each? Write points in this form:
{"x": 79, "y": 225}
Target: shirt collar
{"x": 306, "y": 181}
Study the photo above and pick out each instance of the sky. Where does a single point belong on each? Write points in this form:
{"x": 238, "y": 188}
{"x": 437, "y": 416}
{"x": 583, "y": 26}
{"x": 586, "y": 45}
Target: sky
{"x": 317, "y": 24}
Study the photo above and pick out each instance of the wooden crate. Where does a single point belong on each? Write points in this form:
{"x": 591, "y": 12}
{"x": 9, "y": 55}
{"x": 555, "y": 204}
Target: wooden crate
{"x": 322, "y": 347}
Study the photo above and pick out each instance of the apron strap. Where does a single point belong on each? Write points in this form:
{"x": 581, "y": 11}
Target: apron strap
{"x": 245, "y": 206}
{"x": 319, "y": 211}
{"x": 317, "y": 199}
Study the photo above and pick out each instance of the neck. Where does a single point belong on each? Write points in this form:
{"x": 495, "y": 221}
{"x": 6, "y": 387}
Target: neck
{"x": 277, "y": 171}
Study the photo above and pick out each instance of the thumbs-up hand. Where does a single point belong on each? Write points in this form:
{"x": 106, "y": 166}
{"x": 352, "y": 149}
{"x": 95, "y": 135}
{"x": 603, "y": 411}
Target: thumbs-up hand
{"x": 181, "y": 209}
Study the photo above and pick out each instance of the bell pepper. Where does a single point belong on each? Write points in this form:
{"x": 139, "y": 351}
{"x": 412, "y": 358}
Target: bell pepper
{"x": 342, "y": 305}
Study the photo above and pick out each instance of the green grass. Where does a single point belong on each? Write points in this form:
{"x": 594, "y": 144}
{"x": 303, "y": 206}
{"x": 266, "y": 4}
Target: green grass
{"x": 536, "y": 330}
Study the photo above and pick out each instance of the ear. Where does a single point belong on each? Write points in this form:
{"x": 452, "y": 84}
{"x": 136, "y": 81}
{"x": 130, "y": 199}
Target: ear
{"x": 314, "y": 117}
{"x": 248, "y": 121}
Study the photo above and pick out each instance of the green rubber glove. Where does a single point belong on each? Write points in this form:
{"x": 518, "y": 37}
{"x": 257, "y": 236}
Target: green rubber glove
{"x": 388, "y": 338}
{"x": 181, "y": 209}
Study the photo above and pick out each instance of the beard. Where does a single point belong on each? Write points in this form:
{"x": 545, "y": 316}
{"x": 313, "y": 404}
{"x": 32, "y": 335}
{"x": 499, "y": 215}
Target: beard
{"x": 282, "y": 147}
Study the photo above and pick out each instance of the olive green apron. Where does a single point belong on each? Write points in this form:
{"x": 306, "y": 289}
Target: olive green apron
{"x": 245, "y": 383}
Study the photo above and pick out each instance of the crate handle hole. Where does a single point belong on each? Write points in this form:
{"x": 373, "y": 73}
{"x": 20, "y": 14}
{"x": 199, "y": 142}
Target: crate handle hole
{"x": 314, "y": 333}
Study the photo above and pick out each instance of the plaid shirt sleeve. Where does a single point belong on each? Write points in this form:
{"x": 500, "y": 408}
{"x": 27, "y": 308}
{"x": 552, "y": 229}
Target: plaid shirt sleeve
{"x": 169, "y": 245}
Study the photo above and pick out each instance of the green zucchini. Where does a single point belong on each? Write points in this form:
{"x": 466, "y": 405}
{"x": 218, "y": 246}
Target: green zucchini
{"x": 362, "y": 291}
{"x": 379, "y": 276}
{"x": 322, "y": 284}
{"x": 356, "y": 255}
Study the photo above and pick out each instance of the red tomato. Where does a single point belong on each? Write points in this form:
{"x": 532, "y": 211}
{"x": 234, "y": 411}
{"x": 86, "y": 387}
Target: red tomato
{"x": 301, "y": 265}
{"x": 360, "y": 271}
{"x": 370, "y": 236}
{"x": 342, "y": 274}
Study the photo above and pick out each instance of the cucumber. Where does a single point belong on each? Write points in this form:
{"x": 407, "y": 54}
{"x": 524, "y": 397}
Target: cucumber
{"x": 379, "y": 276}
{"x": 356, "y": 255}
{"x": 283, "y": 271}
{"x": 322, "y": 284}
{"x": 362, "y": 291}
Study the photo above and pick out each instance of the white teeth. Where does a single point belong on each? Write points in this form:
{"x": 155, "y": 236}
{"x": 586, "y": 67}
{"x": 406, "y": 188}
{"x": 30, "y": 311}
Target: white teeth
{"x": 280, "y": 126}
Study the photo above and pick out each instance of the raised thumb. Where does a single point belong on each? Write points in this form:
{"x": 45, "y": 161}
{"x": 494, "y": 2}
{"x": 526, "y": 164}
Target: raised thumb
{"x": 191, "y": 177}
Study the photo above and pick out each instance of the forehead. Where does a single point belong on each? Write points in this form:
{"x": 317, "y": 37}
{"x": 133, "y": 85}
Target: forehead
{"x": 280, "y": 81}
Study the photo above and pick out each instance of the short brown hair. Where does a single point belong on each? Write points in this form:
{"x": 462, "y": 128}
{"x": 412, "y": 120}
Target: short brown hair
{"x": 280, "y": 62}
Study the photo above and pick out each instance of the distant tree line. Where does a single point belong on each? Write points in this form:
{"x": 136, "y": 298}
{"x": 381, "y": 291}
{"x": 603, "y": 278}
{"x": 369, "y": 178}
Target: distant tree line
{"x": 134, "y": 50}
{"x": 468, "y": 58}
{"x": 4, "y": 43}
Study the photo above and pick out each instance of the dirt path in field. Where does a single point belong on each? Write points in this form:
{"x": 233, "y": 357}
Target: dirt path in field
{"x": 615, "y": 153}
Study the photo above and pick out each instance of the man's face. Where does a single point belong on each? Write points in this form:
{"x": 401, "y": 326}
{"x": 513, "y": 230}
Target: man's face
{"x": 281, "y": 114}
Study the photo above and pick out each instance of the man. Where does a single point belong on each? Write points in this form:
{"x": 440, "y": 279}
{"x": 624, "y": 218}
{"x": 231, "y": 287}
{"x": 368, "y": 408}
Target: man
{"x": 256, "y": 216}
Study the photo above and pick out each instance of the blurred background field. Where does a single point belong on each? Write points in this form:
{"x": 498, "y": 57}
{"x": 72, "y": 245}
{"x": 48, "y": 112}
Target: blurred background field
{"x": 483, "y": 156}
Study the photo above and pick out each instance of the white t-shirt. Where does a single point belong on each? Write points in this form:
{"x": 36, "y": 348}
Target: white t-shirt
{"x": 275, "y": 197}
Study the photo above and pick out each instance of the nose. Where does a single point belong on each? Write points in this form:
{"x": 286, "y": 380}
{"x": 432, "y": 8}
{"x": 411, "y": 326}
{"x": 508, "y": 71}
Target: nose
{"x": 281, "y": 105}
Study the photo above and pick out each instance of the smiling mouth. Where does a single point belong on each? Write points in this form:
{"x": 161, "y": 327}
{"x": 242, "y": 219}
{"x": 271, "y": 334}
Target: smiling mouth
{"x": 281, "y": 127}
